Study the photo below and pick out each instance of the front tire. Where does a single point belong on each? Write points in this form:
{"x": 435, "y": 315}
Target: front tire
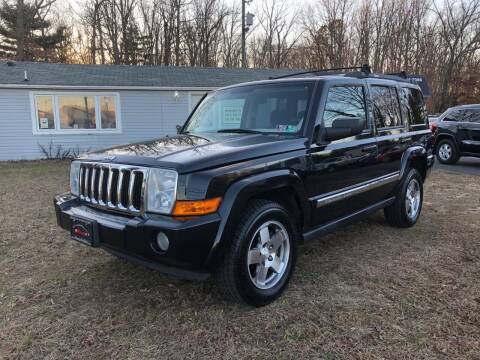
{"x": 259, "y": 262}
{"x": 447, "y": 152}
{"x": 406, "y": 209}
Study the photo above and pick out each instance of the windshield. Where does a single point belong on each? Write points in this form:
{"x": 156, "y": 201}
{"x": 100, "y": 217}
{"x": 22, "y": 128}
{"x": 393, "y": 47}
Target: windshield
{"x": 267, "y": 108}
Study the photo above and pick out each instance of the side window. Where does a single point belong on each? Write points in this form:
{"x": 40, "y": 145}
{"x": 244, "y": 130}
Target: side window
{"x": 344, "y": 101}
{"x": 413, "y": 106}
{"x": 473, "y": 116}
{"x": 386, "y": 108}
{"x": 454, "y": 115}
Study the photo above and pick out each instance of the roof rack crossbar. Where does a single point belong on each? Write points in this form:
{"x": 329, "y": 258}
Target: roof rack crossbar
{"x": 365, "y": 68}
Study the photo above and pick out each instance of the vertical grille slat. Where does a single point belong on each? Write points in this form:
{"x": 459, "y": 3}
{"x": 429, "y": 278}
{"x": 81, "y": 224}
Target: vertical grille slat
{"x": 131, "y": 185}
{"x": 109, "y": 188}
{"x": 82, "y": 182}
{"x": 100, "y": 186}
{"x": 87, "y": 183}
{"x": 92, "y": 184}
{"x": 119, "y": 189}
{"x": 112, "y": 186}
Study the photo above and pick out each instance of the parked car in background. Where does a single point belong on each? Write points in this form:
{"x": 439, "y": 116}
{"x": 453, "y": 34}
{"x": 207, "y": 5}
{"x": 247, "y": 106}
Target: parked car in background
{"x": 457, "y": 133}
{"x": 257, "y": 169}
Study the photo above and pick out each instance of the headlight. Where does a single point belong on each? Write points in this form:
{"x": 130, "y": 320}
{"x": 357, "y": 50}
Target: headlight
{"x": 75, "y": 178}
{"x": 161, "y": 190}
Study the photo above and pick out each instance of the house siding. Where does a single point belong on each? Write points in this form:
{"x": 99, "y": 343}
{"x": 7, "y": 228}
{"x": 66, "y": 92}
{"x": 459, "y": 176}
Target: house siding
{"x": 144, "y": 115}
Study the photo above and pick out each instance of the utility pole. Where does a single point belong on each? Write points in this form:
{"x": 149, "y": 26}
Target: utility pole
{"x": 247, "y": 21}
{"x": 20, "y": 31}
{"x": 244, "y": 51}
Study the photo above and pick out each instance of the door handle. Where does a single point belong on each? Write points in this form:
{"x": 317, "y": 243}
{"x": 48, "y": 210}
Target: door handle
{"x": 369, "y": 148}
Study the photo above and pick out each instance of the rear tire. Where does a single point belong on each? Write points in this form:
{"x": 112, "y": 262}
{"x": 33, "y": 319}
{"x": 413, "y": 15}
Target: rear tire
{"x": 406, "y": 209}
{"x": 260, "y": 259}
{"x": 447, "y": 152}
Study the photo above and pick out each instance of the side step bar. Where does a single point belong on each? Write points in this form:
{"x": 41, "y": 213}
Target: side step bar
{"x": 333, "y": 225}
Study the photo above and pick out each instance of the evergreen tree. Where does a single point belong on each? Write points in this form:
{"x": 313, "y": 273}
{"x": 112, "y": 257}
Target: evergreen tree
{"x": 41, "y": 41}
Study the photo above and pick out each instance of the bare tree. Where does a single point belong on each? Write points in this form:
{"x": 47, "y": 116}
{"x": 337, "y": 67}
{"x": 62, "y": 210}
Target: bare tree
{"x": 460, "y": 33}
{"x": 273, "y": 46}
{"x": 231, "y": 38}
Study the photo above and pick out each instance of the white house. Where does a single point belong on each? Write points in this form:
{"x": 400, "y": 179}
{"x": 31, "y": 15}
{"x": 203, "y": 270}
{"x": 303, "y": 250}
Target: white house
{"x": 63, "y": 107}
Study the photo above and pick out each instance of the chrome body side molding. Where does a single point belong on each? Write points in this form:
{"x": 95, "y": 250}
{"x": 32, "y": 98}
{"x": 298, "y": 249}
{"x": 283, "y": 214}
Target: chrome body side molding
{"x": 356, "y": 189}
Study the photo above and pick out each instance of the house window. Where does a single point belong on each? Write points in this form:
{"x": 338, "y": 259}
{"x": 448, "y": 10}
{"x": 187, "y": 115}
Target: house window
{"x": 75, "y": 113}
{"x": 108, "y": 112}
{"x": 45, "y": 117}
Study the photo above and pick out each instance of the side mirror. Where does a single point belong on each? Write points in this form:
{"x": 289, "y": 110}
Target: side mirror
{"x": 179, "y": 128}
{"x": 344, "y": 127}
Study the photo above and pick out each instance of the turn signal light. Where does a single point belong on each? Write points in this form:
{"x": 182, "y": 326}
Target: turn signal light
{"x": 197, "y": 207}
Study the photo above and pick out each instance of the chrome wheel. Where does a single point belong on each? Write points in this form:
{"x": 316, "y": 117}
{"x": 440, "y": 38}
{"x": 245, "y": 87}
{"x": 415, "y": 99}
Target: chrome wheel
{"x": 413, "y": 198}
{"x": 268, "y": 255}
{"x": 445, "y": 151}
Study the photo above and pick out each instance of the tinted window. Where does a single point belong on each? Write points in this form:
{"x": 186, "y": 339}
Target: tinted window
{"x": 344, "y": 101}
{"x": 472, "y": 116}
{"x": 413, "y": 106}
{"x": 454, "y": 115}
{"x": 386, "y": 109}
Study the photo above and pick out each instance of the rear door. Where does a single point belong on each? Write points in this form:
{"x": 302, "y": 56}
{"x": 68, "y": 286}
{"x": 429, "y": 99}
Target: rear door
{"x": 393, "y": 136}
{"x": 339, "y": 168}
{"x": 469, "y": 130}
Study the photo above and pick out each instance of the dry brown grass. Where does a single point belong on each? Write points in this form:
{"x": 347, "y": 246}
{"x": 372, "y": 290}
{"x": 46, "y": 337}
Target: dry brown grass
{"x": 368, "y": 291}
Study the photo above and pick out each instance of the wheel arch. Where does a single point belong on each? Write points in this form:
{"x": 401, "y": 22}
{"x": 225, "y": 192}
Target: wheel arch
{"x": 283, "y": 186}
{"x": 443, "y": 136}
{"x": 414, "y": 157}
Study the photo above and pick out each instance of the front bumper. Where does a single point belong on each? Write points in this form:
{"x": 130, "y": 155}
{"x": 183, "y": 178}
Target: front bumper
{"x": 133, "y": 238}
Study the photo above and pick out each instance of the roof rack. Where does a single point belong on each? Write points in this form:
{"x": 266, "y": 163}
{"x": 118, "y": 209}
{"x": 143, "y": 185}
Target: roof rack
{"x": 402, "y": 74}
{"x": 365, "y": 69}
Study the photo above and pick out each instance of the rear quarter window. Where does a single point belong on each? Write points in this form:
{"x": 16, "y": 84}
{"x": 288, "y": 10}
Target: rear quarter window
{"x": 413, "y": 106}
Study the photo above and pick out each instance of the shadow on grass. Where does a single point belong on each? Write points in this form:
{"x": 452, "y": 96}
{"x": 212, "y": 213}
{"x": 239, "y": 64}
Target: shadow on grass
{"x": 117, "y": 283}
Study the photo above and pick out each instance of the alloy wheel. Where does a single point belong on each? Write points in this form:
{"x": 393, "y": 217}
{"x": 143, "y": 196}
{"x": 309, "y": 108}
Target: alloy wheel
{"x": 413, "y": 199}
{"x": 268, "y": 255}
{"x": 445, "y": 151}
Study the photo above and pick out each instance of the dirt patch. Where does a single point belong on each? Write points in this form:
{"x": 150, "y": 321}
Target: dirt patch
{"x": 367, "y": 291}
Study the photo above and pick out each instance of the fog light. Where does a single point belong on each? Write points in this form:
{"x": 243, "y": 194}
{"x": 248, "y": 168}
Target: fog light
{"x": 162, "y": 241}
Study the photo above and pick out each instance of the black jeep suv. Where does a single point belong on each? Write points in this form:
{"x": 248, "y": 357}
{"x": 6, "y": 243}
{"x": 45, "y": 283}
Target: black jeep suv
{"x": 457, "y": 133}
{"x": 257, "y": 169}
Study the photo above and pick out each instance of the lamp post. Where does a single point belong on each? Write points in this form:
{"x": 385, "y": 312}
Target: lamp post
{"x": 247, "y": 21}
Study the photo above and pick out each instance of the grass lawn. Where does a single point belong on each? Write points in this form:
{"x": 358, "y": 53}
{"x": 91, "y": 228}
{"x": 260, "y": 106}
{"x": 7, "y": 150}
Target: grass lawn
{"x": 367, "y": 291}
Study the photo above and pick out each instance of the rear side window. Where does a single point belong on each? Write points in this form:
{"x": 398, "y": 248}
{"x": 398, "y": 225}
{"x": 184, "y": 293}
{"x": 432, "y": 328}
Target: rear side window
{"x": 472, "y": 116}
{"x": 413, "y": 107}
{"x": 385, "y": 107}
{"x": 463, "y": 115}
{"x": 344, "y": 101}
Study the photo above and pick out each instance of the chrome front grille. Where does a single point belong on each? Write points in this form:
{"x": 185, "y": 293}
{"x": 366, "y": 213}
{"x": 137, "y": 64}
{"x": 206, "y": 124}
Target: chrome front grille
{"x": 112, "y": 186}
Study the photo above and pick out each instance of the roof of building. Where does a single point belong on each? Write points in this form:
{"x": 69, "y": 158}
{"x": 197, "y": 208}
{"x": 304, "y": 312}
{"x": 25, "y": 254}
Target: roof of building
{"x": 13, "y": 74}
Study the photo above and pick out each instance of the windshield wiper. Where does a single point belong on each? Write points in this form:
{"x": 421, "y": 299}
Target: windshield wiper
{"x": 240, "y": 131}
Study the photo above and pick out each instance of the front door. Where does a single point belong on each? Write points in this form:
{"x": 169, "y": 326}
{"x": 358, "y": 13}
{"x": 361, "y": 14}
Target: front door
{"x": 340, "y": 168}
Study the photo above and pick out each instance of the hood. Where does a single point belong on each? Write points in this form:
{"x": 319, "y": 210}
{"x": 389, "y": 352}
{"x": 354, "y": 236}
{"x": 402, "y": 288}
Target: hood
{"x": 188, "y": 153}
